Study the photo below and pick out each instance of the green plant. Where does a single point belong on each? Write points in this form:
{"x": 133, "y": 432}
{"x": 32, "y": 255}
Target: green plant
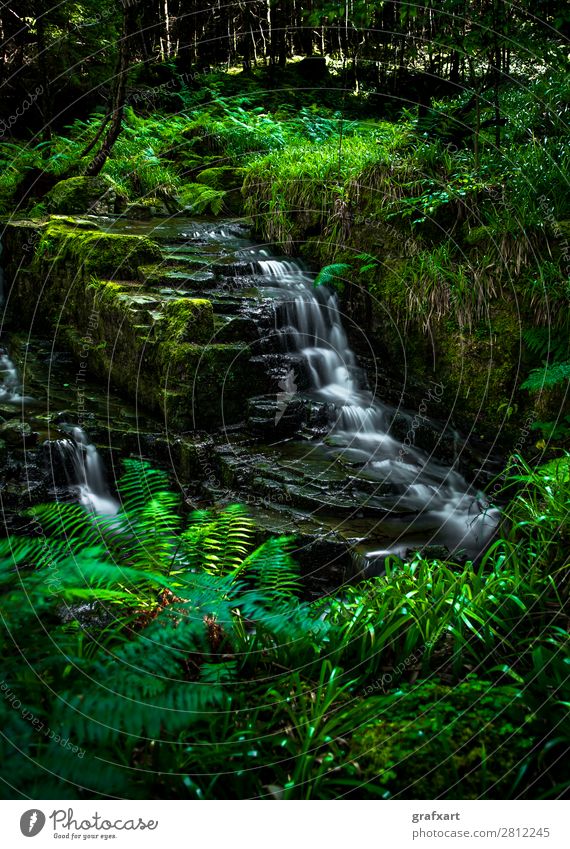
{"x": 467, "y": 741}
{"x": 333, "y": 276}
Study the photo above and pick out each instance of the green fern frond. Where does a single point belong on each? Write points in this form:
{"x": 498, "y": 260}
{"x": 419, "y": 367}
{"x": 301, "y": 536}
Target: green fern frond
{"x": 140, "y": 483}
{"x": 547, "y": 342}
{"x": 546, "y": 377}
{"x": 219, "y": 545}
{"x": 275, "y": 571}
{"x": 332, "y": 275}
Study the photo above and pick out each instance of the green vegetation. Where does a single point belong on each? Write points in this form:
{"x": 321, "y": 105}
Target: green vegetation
{"x": 174, "y": 646}
{"x": 453, "y": 236}
{"x": 417, "y": 158}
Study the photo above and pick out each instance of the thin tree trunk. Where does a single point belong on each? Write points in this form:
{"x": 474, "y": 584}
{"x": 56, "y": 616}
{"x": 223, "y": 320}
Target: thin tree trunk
{"x": 118, "y": 106}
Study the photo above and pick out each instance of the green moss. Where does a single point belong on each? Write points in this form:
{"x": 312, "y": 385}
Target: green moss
{"x": 478, "y": 368}
{"x": 145, "y": 208}
{"x": 77, "y": 222}
{"x": 479, "y": 236}
{"x": 160, "y": 275}
{"x": 86, "y": 194}
{"x": 434, "y": 741}
{"x": 90, "y": 252}
{"x": 187, "y": 320}
{"x": 104, "y": 292}
{"x": 201, "y": 385}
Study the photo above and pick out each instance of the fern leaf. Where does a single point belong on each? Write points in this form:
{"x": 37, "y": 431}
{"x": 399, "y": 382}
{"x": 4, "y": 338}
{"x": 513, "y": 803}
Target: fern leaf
{"x": 546, "y": 377}
{"x": 332, "y": 275}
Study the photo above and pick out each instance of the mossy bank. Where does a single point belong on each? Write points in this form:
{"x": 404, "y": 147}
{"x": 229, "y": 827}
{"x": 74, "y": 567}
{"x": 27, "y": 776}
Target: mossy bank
{"x": 67, "y": 277}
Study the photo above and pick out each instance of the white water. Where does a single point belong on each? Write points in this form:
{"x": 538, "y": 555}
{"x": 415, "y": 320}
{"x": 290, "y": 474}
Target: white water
{"x": 444, "y": 503}
{"x": 10, "y": 386}
{"x": 89, "y": 473}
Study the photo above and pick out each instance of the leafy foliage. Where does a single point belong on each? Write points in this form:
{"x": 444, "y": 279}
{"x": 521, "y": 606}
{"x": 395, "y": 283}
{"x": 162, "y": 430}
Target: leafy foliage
{"x": 179, "y": 660}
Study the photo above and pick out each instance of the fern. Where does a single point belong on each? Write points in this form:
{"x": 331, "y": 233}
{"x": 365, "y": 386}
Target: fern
{"x": 333, "y": 275}
{"x": 139, "y": 483}
{"x": 198, "y": 199}
{"x": 545, "y": 342}
{"x": 546, "y": 377}
{"x": 218, "y": 544}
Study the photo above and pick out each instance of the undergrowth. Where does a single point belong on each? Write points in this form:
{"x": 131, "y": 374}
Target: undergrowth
{"x": 176, "y": 658}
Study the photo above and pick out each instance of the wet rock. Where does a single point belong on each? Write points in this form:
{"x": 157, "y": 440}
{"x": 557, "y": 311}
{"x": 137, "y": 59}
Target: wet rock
{"x": 57, "y": 464}
{"x": 236, "y": 329}
{"x": 276, "y": 417}
{"x": 187, "y": 320}
{"x": 17, "y": 433}
{"x": 146, "y": 208}
{"x": 326, "y": 564}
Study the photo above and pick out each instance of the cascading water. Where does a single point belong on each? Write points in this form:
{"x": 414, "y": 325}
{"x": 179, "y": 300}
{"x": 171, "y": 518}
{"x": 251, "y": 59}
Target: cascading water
{"x": 438, "y": 498}
{"x": 85, "y": 469}
{"x": 10, "y": 386}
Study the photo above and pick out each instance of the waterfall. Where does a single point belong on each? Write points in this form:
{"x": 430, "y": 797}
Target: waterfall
{"x": 85, "y": 470}
{"x": 10, "y": 386}
{"x": 441, "y": 499}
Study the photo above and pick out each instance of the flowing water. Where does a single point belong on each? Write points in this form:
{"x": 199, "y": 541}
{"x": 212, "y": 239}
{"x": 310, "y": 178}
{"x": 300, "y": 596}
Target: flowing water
{"x": 437, "y": 496}
{"x": 344, "y": 470}
{"x": 86, "y": 472}
{"x": 10, "y": 385}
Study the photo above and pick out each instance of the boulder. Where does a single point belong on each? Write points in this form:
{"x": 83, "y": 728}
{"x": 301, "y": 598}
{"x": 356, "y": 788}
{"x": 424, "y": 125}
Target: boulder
{"x": 15, "y": 432}
{"x": 97, "y": 195}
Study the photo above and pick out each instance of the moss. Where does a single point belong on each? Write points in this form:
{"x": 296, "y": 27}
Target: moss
{"x": 162, "y": 274}
{"x": 15, "y": 432}
{"x": 187, "y": 320}
{"x": 459, "y": 742}
{"x": 104, "y": 292}
{"x": 201, "y": 385}
{"x": 77, "y": 222}
{"x": 86, "y": 194}
{"x": 95, "y": 253}
{"x": 478, "y": 368}
{"x": 145, "y": 208}
{"x": 479, "y": 236}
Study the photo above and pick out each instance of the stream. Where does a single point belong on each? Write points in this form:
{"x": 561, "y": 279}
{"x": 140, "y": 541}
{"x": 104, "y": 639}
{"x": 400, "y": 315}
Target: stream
{"x": 323, "y": 456}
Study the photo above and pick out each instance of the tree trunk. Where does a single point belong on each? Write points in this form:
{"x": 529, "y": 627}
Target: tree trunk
{"x": 118, "y": 105}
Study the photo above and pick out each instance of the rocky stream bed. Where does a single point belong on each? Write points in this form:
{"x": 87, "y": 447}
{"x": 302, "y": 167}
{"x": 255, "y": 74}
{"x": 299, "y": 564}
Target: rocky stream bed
{"x": 221, "y": 362}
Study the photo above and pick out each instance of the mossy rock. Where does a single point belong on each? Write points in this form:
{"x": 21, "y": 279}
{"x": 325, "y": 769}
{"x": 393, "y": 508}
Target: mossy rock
{"x": 16, "y": 433}
{"x": 479, "y": 367}
{"x": 202, "y": 385}
{"x": 482, "y": 236}
{"x": 187, "y": 320}
{"x": 74, "y": 221}
{"x": 110, "y": 255}
{"x": 98, "y": 195}
{"x": 145, "y": 208}
{"x": 435, "y": 741}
